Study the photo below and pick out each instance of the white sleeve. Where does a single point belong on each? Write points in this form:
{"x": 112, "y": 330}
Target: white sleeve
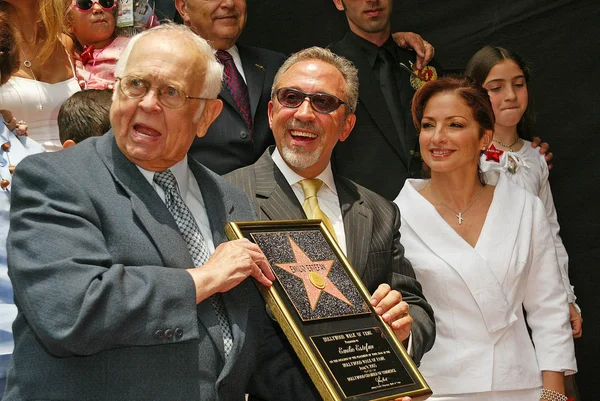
{"x": 561, "y": 253}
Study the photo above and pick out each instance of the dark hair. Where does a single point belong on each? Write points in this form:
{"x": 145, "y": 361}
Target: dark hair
{"x": 473, "y": 94}
{"x": 9, "y": 48}
{"x": 479, "y": 67}
{"x": 84, "y": 114}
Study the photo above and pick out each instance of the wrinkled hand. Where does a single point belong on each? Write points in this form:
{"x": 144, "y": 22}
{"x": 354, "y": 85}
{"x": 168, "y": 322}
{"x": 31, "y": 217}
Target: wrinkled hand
{"x": 389, "y": 305}
{"x": 576, "y": 321}
{"x": 544, "y": 150}
{"x": 231, "y": 264}
{"x": 413, "y": 41}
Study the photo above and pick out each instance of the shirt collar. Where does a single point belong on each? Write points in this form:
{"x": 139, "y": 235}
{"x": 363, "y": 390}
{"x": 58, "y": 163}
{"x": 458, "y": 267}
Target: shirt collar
{"x": 293, "y": 178}
{"x": 370, "y": 49}
{"x": 180, "y": 171}
{"x": 235, "y": 54}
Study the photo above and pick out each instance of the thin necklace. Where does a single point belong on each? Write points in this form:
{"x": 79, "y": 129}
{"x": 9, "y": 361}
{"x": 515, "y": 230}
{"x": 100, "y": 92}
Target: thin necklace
{"x": 458, "y": 214}
{"x": 27, "y": 63}
{"x": 507, "y": 146}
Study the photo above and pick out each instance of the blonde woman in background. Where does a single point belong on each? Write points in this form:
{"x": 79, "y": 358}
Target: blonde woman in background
{"x": 46, "y": 75}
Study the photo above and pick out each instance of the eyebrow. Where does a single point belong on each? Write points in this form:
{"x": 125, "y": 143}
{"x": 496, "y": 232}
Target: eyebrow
{"x": 447, "y": 118}
{"x": 502, "y": 79}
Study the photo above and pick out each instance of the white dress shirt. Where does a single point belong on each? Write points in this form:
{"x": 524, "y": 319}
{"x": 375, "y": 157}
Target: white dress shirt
{"x": 191, "y": 195}
{"x": 327, "y": 195}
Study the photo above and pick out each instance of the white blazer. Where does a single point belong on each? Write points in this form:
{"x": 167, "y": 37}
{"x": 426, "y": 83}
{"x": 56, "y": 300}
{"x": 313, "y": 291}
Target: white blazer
{"x": 478, "y": 294}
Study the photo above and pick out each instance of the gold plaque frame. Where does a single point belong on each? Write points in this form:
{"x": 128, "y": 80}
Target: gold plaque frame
{"x": 304, "y": 335}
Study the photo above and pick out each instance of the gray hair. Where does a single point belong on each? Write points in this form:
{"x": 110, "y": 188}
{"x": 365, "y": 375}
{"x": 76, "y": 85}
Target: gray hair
{"x": 214, "y": 70}
{"x": 344, "y": 66}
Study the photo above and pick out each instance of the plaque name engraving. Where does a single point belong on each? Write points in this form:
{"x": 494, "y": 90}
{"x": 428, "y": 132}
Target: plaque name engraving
{"x": 361, "y": 361}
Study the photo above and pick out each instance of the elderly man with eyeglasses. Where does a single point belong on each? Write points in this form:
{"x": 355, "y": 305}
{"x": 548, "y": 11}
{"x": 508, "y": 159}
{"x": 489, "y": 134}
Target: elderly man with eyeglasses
{"x": 126, "y": 286}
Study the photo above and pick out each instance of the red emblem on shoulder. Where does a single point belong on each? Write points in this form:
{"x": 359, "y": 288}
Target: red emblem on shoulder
{"x": 493, "y": 154}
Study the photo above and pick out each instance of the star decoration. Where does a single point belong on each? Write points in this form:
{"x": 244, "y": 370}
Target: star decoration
{"x": 493, "y": 154}
{"x": 313, "y": 275}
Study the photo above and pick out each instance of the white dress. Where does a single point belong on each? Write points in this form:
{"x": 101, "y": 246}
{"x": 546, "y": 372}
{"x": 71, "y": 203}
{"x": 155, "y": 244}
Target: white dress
{"x": 37, "y": 103}
{"x": 19, "y": 148}
{"x": 528, "y": 169}
{"x": 483, "y": 350}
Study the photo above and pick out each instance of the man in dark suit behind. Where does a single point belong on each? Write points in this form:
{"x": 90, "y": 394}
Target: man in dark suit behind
{"x": 233, "y": 141}
{"x": 125, "y": 284}
{"x": 383, "y": 149}
{"x": 314, "y": 95}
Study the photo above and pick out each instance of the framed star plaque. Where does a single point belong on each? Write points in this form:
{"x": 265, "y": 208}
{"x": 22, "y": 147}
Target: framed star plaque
{"x": 323, "y": 308}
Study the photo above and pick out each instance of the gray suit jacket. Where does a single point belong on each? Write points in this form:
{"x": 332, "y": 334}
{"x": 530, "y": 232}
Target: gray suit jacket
{"x": 228, "y": 144}
{"x": 106, "y": 308}
{"x": 371, "y": 226}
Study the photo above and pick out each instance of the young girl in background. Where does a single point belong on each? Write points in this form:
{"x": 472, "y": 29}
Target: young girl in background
{"x": 504, "y": 75}
{"x": 92, "y": 23}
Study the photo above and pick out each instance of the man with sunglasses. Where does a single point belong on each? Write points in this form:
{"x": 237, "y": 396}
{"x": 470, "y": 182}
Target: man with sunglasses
{"x": 314, "y": 96}
{"x": 125, "y": 284}
{"x": 241, "y": 133}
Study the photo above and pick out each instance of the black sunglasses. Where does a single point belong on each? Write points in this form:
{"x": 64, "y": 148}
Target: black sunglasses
{"x": 321, "y": 102}
{"x": 86, "y": 5}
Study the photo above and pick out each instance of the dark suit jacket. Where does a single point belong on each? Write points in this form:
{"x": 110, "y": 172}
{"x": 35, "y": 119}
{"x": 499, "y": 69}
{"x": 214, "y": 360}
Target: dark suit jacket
{"x": 375, "y": 155}
{"x": 106, "y": 310}
{"x": 228, "y": 144}
{"x": 371, "y": 226}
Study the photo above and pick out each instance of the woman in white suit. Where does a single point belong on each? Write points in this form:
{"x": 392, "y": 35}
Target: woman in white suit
{"x": 484, "y": 254}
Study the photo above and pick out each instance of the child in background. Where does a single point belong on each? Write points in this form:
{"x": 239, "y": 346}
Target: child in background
{"x": 92, "y": 23}
{"x": 83, "y": 115}
{"x": 505, "y": 75}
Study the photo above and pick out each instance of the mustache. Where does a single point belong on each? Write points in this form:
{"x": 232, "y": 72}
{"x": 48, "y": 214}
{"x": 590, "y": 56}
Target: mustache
{"x": 373, "y": 5}
{"x": 302, "y": 125}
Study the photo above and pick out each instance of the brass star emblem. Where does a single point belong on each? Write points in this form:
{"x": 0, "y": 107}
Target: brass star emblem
{"x": 313, "y": 275}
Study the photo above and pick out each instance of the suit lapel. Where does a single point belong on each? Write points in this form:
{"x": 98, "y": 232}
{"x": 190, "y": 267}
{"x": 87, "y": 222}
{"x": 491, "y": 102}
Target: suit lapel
{"x": 255, "y": 76}
{"x": 218, "y": 200}
{"x": 146, "y": 204}
{"x": 502, "y": 222}
{"x": 358, "y": 225}
{"x": 227, "y": 98}
{"x": 280, "y": 202}
{"x": 406, "y": 93}
{"x": 477, "y": 274}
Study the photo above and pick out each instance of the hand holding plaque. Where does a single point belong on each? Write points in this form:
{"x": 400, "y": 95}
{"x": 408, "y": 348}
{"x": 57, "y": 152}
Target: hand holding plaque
{"x": 348, "y": 350}
{"x": 393, "y": 310}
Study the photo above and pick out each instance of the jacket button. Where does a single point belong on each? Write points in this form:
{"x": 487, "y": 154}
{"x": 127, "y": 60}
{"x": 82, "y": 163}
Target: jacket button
{"x": 159, "y": 335}
{"x": 178, "y": 332}
{"x": 168, "y": 333}
{"x": 243, "y": 135}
